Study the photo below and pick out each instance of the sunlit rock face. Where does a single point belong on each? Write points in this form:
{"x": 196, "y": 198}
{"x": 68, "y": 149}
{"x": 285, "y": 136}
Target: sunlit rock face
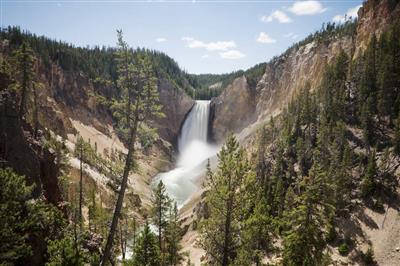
{"x": 232, "y": 110}
{"x": 175, "y": 106}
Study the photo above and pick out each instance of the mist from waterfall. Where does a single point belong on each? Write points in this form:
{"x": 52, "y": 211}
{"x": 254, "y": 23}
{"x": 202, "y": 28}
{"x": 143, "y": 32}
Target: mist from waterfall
{"x": 182, "y": 181}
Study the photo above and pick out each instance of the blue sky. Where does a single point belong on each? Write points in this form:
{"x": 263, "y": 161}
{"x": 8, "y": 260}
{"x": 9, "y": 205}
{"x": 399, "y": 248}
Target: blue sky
{"x": 202, "y": 36}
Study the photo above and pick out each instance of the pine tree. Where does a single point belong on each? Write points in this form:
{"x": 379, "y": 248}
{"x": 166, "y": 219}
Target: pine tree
{"x": 256, "y": 233}
{"x": 139, "y": 102}
{"x": 368, "y": 123}
{"x": 368, "y": 80}
{"x": 220, "y": 233}
{"x": 173, "y": 236}
{"x": 146, "y": 251}
{"x": 368, "y": 184}
{"x": 161, "y": 204}
{"x": 396, "y": 138}
{"x": 25, "y": 72}
{"x": 62, "y": 252}
{"x": 23, "y": 219}
{"x": 334, "y": 89}
{"x": 303, "y": 244}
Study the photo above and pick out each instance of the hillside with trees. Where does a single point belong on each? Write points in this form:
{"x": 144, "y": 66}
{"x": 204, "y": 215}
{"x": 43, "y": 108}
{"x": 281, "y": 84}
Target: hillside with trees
{"x": 331, "y": 153}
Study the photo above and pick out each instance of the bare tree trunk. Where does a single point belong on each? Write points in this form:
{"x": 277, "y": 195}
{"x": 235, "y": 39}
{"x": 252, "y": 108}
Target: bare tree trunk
{"x": 24, "y": 88}
{"x": 81, "y": 186}
{"x": 23, "y": 100}
{"x": 35, "y": 112}
{"x": 118, "y": 206}
{"x": 122, "y": 242}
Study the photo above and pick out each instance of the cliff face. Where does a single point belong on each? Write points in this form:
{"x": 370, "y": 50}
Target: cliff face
{"x": 176, "y": 104}
{"x": 66, "y": 95}
{"x": 373, "y": 18}
{"x": 20, "y": 151}
{"x": 232, "y": 109}
{"x": 286, "y": 74}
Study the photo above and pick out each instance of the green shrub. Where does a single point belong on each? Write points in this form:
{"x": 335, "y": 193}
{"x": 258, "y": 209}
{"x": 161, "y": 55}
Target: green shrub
{"x": 369, "y": 257}
{"x": 343, "y": 249}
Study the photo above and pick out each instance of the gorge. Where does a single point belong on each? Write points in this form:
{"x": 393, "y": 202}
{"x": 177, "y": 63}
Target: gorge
{"x": 316, "y": 153}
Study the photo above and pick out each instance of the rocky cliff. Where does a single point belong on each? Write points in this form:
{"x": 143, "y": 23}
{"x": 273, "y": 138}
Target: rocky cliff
{"x": 20, "y": 151}
{"x": 68, "y": 96}
{"x": 287, "y": 73}
{"x": 233, "y": 109}
{"x": 176, "y": 104}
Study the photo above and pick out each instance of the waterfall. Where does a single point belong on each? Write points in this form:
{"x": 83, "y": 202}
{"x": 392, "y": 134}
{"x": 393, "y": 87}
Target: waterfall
{"x": 194, "y": 151}
{"x": 195, "y": 126}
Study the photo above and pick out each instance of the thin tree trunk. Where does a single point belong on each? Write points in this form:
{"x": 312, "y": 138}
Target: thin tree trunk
{"x": 24, "y": 89}
{"x": 80, "y": 186}
{"x": 227, "y": 235}
{"x": 159, "y": 230}
{"x": 35, "y": 112}
{"x": 118, "y": 206}
{"x": 23, "y": 101}
{"x": 76, "y": 236}
{"x": 121, "y": 236}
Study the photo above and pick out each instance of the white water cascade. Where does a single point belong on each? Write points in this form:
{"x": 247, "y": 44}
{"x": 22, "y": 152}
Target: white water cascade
{"x": 194, "y": 151}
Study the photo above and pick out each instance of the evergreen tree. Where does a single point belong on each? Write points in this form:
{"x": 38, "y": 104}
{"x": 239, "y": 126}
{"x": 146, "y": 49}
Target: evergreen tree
{"x": 368, "y": 123}
{"x": 396, "y": 138}
{"x": 173, "y": 236}
{"x": 161, "y": 204}
{"x": 62, "y": 252}
{"x": 368, "y": 80}
{"x": 146, "y": 251}
{"x": 220, "y": 233}
{"x": 23, "y": 219}
{"x": 303, "y": 244}
{"x": 368, "y": 184}
{"x": 256, "y": 234}
{"x": 25, "y": 72}
{"x": 138, "y": 103}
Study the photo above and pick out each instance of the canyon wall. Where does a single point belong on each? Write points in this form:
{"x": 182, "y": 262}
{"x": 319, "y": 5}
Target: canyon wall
{"x": 241, "y": 110}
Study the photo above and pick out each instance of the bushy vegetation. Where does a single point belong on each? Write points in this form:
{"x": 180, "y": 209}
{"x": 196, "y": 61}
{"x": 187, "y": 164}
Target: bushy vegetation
{"x": 25, "y": 219}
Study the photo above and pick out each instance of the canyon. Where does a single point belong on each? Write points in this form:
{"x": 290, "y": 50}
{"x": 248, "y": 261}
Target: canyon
{"x": 191, "y": 132}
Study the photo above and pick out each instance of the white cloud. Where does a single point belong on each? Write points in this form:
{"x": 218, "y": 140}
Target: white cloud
{"x": 350, "y": 14}
{"x": 278, "y": 15}
{"x": 310, "y": 7}
{"x": 205, "y": 56}
{"x": 209, "y": 46}
{"x": 265, "y": 38}
{"x": 232, "y": 54}
{"x": 161, "y": 39}
{"x": 291, "y": 35}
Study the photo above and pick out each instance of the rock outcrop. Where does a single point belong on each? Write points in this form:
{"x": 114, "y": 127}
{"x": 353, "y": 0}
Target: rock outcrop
{"x": 67, "y": 95}
{"x": 232, "y": 110}
{"x": 176, "y": 104}
{"x": 374, "y": 18}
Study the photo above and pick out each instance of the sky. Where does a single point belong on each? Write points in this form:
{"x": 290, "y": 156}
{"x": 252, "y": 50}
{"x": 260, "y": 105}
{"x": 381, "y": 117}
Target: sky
{"x": 209, "y": 36}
